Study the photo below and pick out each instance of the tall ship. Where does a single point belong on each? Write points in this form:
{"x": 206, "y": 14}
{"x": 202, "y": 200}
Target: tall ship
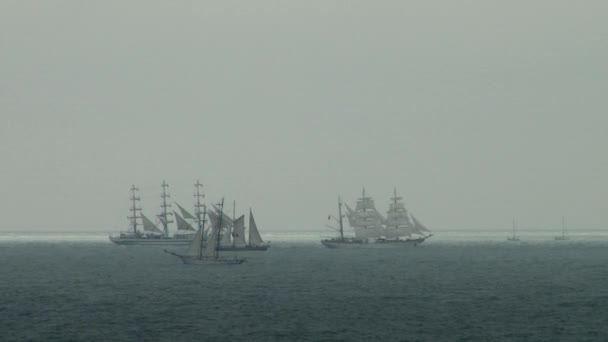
{"x": 372, "y": 230}
{"x": 143, "y": 231}
{"x": 366, "y": 221}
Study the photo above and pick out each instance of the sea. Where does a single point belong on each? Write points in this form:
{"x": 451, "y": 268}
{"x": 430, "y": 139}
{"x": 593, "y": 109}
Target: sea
{"x": 457, "y": 286}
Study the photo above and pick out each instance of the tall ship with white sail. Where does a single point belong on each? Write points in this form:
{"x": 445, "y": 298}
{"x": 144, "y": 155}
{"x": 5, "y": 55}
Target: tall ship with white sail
{"x": 143, "y": 231}
{"x": 399, "y": 229}
{"x": 366, "y": 221}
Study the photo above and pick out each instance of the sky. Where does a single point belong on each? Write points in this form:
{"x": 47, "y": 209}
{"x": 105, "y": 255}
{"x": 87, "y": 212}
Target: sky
{"x": 477, "y": 111}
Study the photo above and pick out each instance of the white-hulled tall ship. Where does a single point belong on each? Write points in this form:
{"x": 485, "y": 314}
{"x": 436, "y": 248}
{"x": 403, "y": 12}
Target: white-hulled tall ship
{"x": 372, "y": 230}
{"x": 150, "y": 234}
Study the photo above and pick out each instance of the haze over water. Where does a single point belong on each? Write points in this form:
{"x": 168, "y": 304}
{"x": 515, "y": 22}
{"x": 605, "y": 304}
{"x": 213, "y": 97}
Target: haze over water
{"x": 477, "y": 112}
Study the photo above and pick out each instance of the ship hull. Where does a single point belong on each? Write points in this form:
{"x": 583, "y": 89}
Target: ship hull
{"x": 241, "y": 249}
{"x": 179, "y": 242}
{"x": 211, "y": 261}
{"x": 373, "y": 244}
{"x": 207, "y": 261}
{"x": 387, "y": 233}
{"x": 150, "y": 242}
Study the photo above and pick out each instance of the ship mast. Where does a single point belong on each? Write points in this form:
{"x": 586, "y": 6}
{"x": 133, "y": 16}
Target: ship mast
{"x": 233, "y": 219}
{"x": 164, "y": 216}
{"x": 198, "y": 205}
{"x": 219, "y": 230}
{"x": 134, "y": 208}
{"x": 340, "y": 218}
{"x": 395, "y": 197}
{"x": 198, "y": 212}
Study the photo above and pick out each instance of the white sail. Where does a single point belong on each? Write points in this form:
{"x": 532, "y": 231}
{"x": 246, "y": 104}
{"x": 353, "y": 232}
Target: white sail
{"x": 196, "y": 245}
{"x": 370, "y": 232}
{"x": 419, "y": 228}
{"x": 185, "y": 213}
{"x": 238, "y": 232}
{"x": 226, "y": 238}
{"x": 226, "y": 226}
{"x": 254, "y": 235}
{"x": 181, "y": 223}
{"x": 365, "y": 215}
{"x": 149, "y": 226}
{"x": 226, "y": 220}
{"x": 368, "y": 223}
{"x": 210, "y": 248}
{"x": 397, "y": 219}
{"x": 365, "y": 203}
{"x": 365, "y": 219}
{"x": 396, "y": 216}
{"x": 215, "y": 218}
{"x": 397, "y": 232}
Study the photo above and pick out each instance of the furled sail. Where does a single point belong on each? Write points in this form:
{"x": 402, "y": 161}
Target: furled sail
{"x": 238, "y": 232}
{"x": 181, "y": 223}
{"x": 196, "y": 245}
{"x": 185, "y": 213}
{"x": 254, "y": 235}
{"x": 149, "y": 226}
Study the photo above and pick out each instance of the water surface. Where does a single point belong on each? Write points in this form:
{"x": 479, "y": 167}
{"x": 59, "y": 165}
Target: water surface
{"x": 447, "y": 290}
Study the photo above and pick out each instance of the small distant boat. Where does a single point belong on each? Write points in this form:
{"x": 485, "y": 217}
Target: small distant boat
{"x": 201, "y": 253}
{"x": 563, "y": 236}
{"x": 514, "y": 237}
